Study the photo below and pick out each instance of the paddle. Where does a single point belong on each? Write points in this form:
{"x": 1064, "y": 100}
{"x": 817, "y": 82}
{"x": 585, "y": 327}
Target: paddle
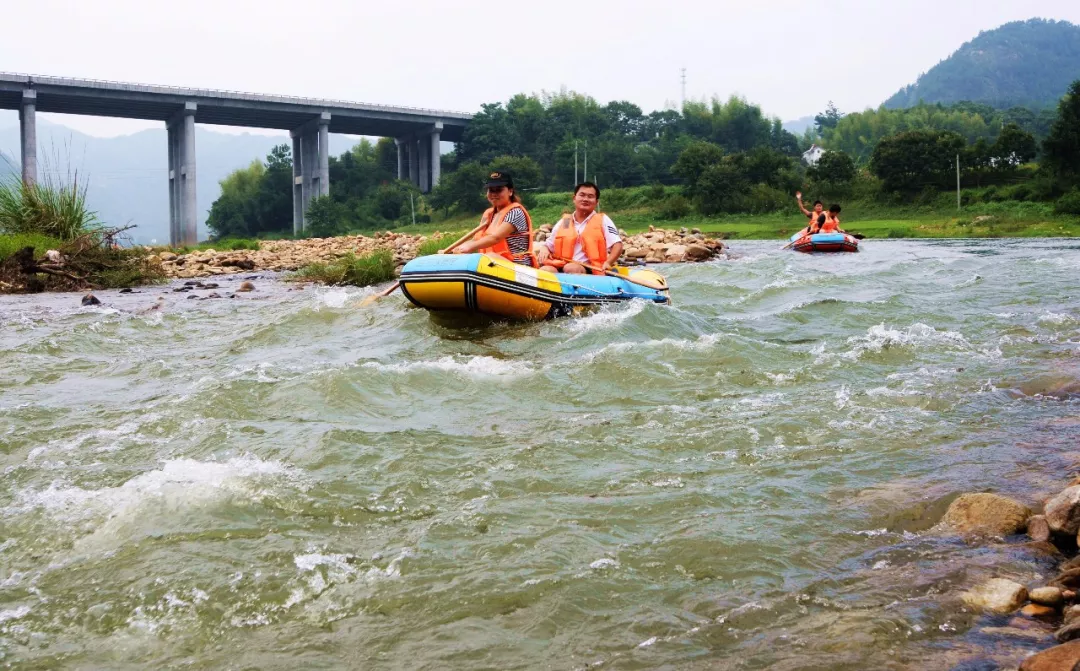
{"x": 612, "y": 273}
{"x": 394, "y": 287}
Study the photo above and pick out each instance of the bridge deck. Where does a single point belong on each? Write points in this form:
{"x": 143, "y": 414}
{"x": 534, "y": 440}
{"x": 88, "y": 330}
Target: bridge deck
{"x": 227, "y": 108}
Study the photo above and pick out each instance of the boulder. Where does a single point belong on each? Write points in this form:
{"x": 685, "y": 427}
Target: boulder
{"x": 167, "y": 256}
{"x": 1047, "y": 596}
{"x": 987, "y": 514}
{"x": 1063, "y": 511}
{"x": 90, "y": 299}
{"x": 1038, "y": 528}
{"x": 634, "y": 253}
{"x": 997, "y": 595}
{"x": 1058, "y": 658}
{"x": 675, "y": 254}
{"x": 245, "y": 286}
{"x": 696, "y": 252}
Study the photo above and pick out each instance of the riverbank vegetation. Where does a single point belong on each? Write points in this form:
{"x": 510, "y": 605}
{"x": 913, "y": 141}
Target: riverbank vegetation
{"x": 360, "y": 271}
{"x": 722, "y": 166}
{"x": 50, "y": 240}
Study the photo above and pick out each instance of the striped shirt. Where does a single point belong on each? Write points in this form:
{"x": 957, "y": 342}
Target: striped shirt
{"x": 518, "y": 244}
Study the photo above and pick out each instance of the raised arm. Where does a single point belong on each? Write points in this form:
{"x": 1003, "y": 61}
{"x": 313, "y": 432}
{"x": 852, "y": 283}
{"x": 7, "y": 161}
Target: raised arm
{"x": 798, "y": 199}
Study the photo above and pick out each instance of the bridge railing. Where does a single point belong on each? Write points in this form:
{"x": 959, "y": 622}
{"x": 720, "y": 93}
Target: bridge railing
{"x": 30, "y": 79}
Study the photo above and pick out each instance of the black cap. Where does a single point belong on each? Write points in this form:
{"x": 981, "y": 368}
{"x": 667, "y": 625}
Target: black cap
{"x": 500, "y": 178}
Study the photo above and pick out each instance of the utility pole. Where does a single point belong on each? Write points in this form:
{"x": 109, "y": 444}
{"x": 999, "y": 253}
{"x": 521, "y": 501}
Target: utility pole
{"x": 586, "y": 170}
{"x": 958, "y": 182}
{"x": 684, "y": 87}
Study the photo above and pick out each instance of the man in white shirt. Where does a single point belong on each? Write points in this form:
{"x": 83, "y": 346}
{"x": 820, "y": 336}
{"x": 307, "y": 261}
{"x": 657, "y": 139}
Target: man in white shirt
{"x": 584, "y": 241}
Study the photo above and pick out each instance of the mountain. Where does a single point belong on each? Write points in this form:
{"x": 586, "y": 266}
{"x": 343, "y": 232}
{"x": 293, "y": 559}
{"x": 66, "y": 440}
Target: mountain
{"x": 126, "y": 176}
{"x": 1023, "y": 63}
{"x": 799, "y": 126}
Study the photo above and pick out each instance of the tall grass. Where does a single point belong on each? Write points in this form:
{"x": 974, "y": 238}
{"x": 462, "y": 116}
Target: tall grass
{"x": 433, "y": 245}
{"x": 52, "y": 206}
{"x": 373, "y": 268}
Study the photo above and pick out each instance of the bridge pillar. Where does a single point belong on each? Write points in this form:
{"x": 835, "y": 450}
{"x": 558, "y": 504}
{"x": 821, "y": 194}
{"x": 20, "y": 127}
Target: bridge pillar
{"x": 298, "y": 185}
{"x": 436, "y": 155}
{"x": 183, "y": 207}
{"x": 400, "y": 162}
{"x": 28, "y": 135}
{"x": 311, "y": 167}
{"x": 414, "y": 162}
{"x": 422, "y": 151}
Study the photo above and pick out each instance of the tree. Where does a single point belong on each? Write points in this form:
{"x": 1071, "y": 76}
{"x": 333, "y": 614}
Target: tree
{"x": 325, "y": 218}
{"x": 1013, "y": 147}
{"x": 461, "y": 189}
{"x": 915, "y": 160}
{"x": 834, "y": 167}
{"x": 1061, "y": 149}
{"x": 827, "y": 119}
{"x": 694, "y": 161}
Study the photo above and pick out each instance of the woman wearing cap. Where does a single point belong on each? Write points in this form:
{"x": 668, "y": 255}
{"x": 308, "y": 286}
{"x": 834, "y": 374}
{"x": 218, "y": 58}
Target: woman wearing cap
{"x": 509, "y": 231}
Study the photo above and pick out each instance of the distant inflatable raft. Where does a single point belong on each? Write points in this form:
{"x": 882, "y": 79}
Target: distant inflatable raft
{"x": 824, "y": 242}
{"x": 480, "y": 284}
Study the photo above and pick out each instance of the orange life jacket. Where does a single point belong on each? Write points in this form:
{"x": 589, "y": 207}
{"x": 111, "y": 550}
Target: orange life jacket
{"x": 592, "y": 241}
{"x": 831, "y": 225}
{"x": 502, "y": 247}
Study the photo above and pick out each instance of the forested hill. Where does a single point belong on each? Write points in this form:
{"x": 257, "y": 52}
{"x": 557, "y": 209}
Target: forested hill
{"x": 1023, "y": 63}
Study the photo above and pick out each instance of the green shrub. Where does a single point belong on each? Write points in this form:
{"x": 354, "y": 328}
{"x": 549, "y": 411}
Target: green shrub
{"x": 432, "y": 245}
{"x": 675, "y": 206}
{"x": 762, "y": 198}
{"x": 373, "y": 268}
{"x": 1069, "y": 203}
{"x": 896, "y": 233}
{"x": 655, "y": 192}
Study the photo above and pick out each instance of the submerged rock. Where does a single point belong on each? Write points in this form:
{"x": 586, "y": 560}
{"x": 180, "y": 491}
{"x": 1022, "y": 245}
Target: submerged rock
{"x": 90, "y": 299}
{"x": 997, "y": 595}
{"x": 245, "y": 286}
{"x": 987, "y": 514}
{"x": 1063, "y": 511}
{"x": 1039, "y": 611}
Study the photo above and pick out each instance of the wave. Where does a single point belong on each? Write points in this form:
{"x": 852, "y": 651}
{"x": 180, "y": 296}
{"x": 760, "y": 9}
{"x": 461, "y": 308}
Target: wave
{"x": 605, "y": 317}
{"x": 476, "y": 366}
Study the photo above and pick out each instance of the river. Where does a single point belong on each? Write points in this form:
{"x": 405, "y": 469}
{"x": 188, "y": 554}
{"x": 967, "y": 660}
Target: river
{"x": 748, "y": 478}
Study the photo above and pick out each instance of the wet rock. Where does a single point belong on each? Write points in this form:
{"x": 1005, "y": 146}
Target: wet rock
{"x": 1014, "y": 632}
{"x": 1058, "y": 658}
{"x": 1063, "y": 511}
{"x": 178, "y": 290}
{"x": 1071, "y": 613}
{"x": 1047, "y": 596}
{"x": 193, "y": 297}
{"x": 1045, "y": 549}
{"x": 1038, "y": 528}
{"x": 1069, "y": 632}
{"x": 1068, "y": 594}
{"x": 997, "y": 595}
{"x": 128, "y": 290}
{"x": 210, "y": 295}
{"x": 209, "y": 285}
{"x": 987, "y": 514}
{"x": 90, "y": 299}
{"x": 1039, "y": 611}
{"x": 193, "y": 283}
{"x": 245, "y": 286}
{"x": 696, "y": 252}
{"x": 1068, "y": 579}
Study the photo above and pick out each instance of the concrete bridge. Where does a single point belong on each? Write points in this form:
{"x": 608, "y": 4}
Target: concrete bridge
{"x": 416, "y": 132}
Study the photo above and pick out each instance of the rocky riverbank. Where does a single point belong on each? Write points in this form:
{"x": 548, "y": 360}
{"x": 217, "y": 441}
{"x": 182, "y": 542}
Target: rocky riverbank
{"x": 1048, "y": 610}
{"x": 654, "y": 246}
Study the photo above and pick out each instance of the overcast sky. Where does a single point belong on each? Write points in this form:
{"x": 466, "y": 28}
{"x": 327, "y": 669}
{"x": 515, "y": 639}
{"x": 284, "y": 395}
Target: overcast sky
{"x": 790, "y": 57}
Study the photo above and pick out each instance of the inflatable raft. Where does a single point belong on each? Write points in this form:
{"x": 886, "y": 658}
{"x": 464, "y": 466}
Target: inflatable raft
{"x": 478, "y": 283}
{"x": 824, "y": 242}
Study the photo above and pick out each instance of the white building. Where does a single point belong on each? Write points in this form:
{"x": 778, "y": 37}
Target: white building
{"x": 811, "y": 155}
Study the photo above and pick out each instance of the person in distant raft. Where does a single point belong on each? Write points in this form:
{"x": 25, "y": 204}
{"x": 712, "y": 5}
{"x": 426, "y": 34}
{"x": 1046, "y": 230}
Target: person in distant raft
{"x": 817, "y": 217}
{"x": 509, "y": 231}
{"x": 832, "y": 221}
{"x": 583, "y": 237}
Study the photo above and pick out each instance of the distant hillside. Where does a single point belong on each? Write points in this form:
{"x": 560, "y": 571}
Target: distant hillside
{"x": 127, "y": 174}
{"x": 799, "y": 126}
{"x": 1024, "y": 63}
